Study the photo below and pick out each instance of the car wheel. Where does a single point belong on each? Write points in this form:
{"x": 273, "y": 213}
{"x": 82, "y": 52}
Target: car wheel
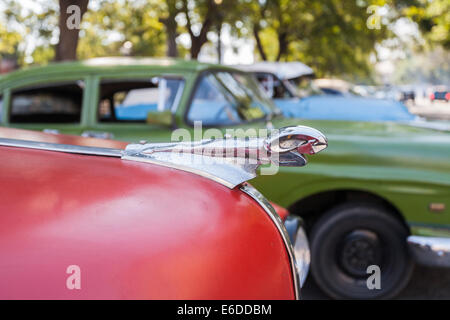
{"x": 348, "y": 239}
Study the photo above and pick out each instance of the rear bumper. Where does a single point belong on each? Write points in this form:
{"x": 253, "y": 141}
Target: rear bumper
{"x": 430, "y": 251}
{"x": 297, "y": 235}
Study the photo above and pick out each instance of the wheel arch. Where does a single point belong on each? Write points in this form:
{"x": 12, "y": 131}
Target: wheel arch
{"x": 313, "y": 206}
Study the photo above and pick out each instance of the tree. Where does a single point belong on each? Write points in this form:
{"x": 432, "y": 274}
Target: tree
{"x": 66, "y": 49}
{"x": 123, "y": 28}
{"x": 201, "y": 17}
{"x": 277, "y": 20}
{"x": 433, "y": 19}
{"x": 9, "y": 46}
{"x": 204, "y": 12}
{"x": 27, "y": 33}
{"x": 173, "y": 8}
{"x": 337, "y": 40}
{"x": 330, "y": 35}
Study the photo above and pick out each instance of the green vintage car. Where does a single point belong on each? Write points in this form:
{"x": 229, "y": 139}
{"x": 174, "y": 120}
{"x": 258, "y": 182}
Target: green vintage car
{"x": 378, "y": 196}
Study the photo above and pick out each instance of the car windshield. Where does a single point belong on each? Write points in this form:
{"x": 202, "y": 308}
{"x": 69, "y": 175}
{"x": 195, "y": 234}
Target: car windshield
{"x": 273, "y": 86}
{"x": 304, "y": 87}
{"x": 226, "y": 98}
{"x": 285, "y": 89}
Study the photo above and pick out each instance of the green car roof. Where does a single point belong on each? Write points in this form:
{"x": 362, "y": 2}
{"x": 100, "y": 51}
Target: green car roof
{"x": 110, "y": 64}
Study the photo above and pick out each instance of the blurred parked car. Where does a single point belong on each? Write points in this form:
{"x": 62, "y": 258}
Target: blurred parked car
{"x": 137, "y": 226}
{"x": 407, "y": 95}
{"x": 379, "y": 195}
{"x": 440, "y": 95}
{"x": 335, "y": 87}
{"x": 311, "y": 102}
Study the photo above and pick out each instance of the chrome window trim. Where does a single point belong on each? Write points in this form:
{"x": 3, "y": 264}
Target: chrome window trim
{"x": 265, "y": 204}
{"x": 176, "y": 101}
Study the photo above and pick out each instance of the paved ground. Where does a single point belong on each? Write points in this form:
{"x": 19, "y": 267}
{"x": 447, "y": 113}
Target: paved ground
{"x": 426, "y": 283}
{"x": 438, "y": 110}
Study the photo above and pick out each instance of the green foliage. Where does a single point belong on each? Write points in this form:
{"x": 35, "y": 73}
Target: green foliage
{"x": 433, "y": 19}
{"x": 332, "y": 36}
{"x": 26, "y": 32}
{"x": 122, "y": 27}
{"x": 9, "y": 46}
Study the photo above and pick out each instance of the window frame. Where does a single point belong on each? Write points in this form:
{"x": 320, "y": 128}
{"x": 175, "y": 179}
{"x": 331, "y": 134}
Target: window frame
{"x": 9, "y": 93}
{"x": 131, "y": 77}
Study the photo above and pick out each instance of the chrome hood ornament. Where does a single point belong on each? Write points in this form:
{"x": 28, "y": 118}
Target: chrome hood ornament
{"x": 232, "y": 161}
{"x": 229, "y": 161}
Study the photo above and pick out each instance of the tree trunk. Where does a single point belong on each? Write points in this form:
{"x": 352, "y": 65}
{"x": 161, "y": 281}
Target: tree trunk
{"x": 196, "y": 46}
{"x": 171, "y": 28}
{"x": 219, "y": 43}
{"x": 259, "y": 44}
{"x": 171, "y": 36}
{"x": 198, "y": 41}
{"x": 69, "y": 28}
{"x": 282, "y": 45}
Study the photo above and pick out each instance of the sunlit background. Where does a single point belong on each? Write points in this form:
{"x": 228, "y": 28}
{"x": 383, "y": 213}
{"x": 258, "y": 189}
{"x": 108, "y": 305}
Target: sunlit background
{"x": 387, "y": 47}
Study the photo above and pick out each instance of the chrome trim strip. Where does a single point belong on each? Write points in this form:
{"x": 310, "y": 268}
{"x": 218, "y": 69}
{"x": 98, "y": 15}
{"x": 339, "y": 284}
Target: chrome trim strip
{"x": 295, "y": 227}
{"x": 226, "y": 174}
{"x": 302, "y": 254}
{"x": 67, "y": 148}
{"x": 430, "y": 251}
{"x": 265, "y": 204}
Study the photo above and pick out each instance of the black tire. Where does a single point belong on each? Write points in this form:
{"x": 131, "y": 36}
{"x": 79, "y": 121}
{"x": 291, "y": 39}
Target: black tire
{"x": 348, "y": 238}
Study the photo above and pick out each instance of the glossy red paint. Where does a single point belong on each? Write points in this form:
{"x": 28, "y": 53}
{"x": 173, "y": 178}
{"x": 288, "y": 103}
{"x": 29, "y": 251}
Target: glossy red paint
{"x": 136, "y": 230}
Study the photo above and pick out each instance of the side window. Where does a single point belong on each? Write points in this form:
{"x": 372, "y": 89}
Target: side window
{"x": 213, "y": 103}
{"x": 59, "y": 103}
{"x": 132, "y": 100}
{"x": 1, "y": 107}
